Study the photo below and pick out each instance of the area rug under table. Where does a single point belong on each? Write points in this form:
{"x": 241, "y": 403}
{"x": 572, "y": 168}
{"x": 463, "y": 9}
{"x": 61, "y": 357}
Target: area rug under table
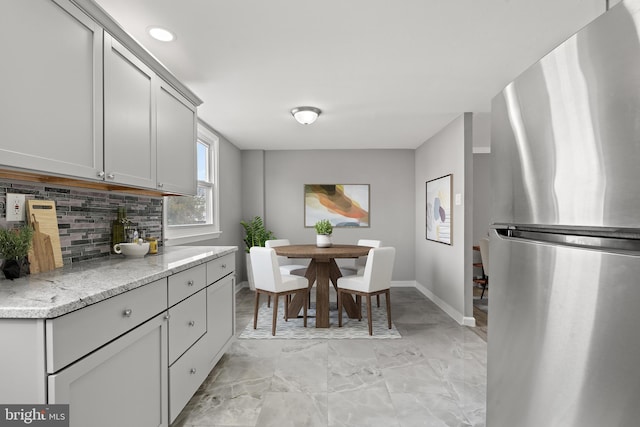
{"x": 294, "y": 328}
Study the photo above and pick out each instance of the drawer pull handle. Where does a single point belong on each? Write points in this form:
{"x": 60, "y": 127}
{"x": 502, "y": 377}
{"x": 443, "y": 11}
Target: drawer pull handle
{"x": 167, "y": 316}
{"x": 127, "y": 312}
{"x": 192, "y": 371}
{"x": 224, "y": 266}
{"x": 190, "y": 283}
{"x": 192, "y": 323}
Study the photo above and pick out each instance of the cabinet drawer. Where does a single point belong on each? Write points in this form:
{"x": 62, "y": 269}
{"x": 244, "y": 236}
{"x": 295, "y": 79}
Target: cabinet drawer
{"x": 185, "y": 376}
{"x": 220, "y": 267}
{"x": 186, "y": 283}
{"x": 73, "y": 335}
{"x": 187, "y": 323}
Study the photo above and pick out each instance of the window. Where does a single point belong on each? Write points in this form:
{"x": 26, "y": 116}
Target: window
{"x": 189, "y": 219}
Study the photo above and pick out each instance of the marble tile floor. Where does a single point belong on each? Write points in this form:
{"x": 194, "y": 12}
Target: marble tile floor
{"x": 434, "y": 376}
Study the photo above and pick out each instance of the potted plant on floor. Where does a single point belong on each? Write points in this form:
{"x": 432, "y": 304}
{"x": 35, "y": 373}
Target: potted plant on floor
{"x": 323, "y": 231}
{"x": 14, "y": 247}
{"x": 255, "y": 235}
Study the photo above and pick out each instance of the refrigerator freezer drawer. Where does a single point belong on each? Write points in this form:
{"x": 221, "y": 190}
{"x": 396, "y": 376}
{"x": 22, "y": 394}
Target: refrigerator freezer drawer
{"x": 563, "y": 345}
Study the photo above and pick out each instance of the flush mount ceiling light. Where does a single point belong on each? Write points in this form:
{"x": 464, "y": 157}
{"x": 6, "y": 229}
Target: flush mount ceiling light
{"x": 161, "y": 34}
{"x": 305, "y": 115}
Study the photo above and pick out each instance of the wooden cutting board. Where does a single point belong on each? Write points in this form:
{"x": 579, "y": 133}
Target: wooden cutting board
{"x": 44, "y": 212}
{"x": 41, "y": 258}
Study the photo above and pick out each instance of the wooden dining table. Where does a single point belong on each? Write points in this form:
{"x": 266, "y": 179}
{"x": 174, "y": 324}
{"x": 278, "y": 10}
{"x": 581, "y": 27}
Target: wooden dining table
{"x": 322, "y": 269}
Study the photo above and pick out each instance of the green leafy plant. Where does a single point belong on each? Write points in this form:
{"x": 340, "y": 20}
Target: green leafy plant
{"x": 256, "y": 233}
{"x": 324, "y": 227}
{"x": 15, "y": 243}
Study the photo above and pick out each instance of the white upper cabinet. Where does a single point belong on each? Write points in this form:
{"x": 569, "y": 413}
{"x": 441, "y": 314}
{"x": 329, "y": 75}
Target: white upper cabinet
{"x": 82, "y": 99}
{"x": 51, "y": 74}
{"x": 129, "y": 117}
{"x": 176, "y": 142}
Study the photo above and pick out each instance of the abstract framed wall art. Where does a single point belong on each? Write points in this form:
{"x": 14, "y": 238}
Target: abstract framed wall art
{"x": 439, "y": 210}
{"x": 344, "y": 205}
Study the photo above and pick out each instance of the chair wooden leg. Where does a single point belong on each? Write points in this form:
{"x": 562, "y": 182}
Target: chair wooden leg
{"x": 275, "y": 315}
{"x": 378, "y": 299}
{"x": 268, "y": 300}
{"x": 369, "y": 314}
{"x": 255, "y": 311}
{"x": 339, "y": 308}
{"x": 388, "y": 298}
{"x": 359, "y": 304}
{"x": 306, "y": 295}
{"x": 484, "y": 287}
{"x": 287, "y": 300}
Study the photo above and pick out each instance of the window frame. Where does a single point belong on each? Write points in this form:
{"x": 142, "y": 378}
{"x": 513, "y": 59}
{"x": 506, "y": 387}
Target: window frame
{"x": 193, "y": 233}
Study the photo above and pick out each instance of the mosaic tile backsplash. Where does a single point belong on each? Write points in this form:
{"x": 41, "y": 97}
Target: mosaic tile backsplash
{"x": 85, "y": 216}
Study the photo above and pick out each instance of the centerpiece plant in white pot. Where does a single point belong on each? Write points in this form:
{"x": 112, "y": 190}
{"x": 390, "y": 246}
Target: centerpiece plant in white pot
{"x": 323, "y": 230}
{"x": 256, "y": 235}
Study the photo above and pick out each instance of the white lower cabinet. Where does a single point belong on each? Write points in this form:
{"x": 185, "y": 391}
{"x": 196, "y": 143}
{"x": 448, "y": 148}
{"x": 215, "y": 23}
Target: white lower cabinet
{"x": 134, "y": 359}
{"x": 122, "y": 384}
{"x": 220, "y": 309}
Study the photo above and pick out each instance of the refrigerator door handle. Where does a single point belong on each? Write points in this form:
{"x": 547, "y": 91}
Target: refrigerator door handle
{"x": 601, "y": 243}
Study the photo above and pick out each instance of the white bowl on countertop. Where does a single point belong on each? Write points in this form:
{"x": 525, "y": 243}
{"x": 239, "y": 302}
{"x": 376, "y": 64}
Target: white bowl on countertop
{"x": 133, "y": 250}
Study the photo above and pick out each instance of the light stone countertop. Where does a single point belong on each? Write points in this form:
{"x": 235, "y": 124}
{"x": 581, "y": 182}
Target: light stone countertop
{"x": 57, "y": 292}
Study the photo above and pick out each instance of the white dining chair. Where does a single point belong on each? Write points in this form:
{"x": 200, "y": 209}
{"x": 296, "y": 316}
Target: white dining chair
{"x": 269, "y": 281}
{"x": 286, "y": 264}
{"x": 375, "y": 280}
{"x": 356, "y": 266}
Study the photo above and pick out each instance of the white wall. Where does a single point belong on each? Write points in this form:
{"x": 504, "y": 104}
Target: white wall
{"x": 252, "y": 184}
{"x": 443, "y": 272}
{"x": 481, "y": 175}
{"x": 392, "y": 205}
{"x": 481, "y": 196}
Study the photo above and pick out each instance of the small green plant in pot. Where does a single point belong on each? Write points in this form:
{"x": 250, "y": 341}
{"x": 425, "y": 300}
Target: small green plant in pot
{"x": 323, "y": 231}
{"x": 256, "y": 235}
{"x": 14, "y": 247}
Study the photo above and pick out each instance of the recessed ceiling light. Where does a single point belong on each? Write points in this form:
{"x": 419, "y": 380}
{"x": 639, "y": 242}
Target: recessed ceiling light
{"x": 161, "y": 34}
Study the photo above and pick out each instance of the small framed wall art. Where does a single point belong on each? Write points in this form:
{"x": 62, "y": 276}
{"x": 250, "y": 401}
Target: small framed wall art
{"x": 439, "y": 210}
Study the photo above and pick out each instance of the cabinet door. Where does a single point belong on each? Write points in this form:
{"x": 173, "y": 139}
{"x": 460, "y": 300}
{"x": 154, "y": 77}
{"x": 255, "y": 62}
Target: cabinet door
{"x": 176, "y": 142}
{"x": 129, "y": 117}
{"x": 122, "y": 384}
{"x": 51, "y": 102}
{"x": 220, "y": 317}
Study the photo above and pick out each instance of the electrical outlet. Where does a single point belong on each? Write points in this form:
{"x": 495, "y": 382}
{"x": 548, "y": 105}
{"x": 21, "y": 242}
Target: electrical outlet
{"x": 15, "y": 207}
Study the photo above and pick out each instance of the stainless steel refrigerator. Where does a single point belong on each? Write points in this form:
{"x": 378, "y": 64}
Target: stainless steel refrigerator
{"x": 564, "y": 293}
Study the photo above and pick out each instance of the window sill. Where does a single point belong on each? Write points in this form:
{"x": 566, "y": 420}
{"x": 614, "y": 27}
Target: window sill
{"x": 191, "y": 238}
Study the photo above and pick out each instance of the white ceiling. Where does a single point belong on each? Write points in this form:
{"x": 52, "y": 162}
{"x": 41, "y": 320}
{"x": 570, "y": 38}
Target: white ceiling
{"x": 385, "y": 73}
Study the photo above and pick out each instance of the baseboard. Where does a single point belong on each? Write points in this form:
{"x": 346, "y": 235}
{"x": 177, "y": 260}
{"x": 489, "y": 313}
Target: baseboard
{"x": 444, "y": 306}
{"x": 241, "y": 285}
{"x": 469, "y": 321}
{"x": 403, "y": 284}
